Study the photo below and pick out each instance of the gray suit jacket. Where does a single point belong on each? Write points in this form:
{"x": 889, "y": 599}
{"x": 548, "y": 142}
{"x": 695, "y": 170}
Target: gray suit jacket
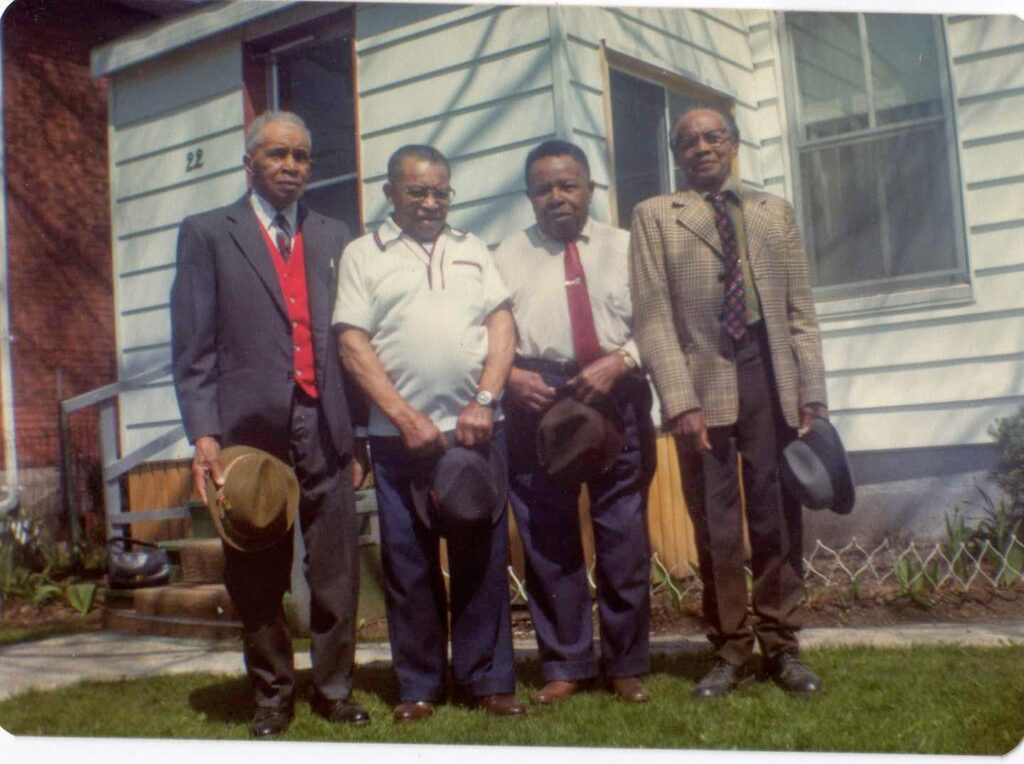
{"x": 231, "y": 335}
{"x": 676, "y": 267}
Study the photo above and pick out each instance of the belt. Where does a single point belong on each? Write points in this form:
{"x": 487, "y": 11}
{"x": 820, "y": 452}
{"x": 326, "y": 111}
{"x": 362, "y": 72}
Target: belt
{"x": 546, "y": 366}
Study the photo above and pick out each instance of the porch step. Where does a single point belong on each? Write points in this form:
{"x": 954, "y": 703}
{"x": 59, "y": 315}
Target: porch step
{"x": 201, "y": 611}
{"x": 201, "y": 561}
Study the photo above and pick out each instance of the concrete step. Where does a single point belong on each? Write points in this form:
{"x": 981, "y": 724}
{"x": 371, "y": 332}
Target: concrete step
{"x": 200, "y": 611}
{"x": 201, "y": 561}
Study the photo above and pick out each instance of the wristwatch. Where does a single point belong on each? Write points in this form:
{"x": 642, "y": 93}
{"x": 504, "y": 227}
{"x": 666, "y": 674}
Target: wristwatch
{"x": 485, "y": 398}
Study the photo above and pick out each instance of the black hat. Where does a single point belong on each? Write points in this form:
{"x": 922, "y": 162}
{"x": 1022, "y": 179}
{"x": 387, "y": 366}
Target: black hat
{"x": 577, "y": 442}
{"x": 466, "y": 491}
{"x": 815, "y": 470}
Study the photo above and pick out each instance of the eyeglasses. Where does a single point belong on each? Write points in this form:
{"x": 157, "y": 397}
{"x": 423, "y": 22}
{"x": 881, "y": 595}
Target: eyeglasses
{"x": 713, "y": 138}
{"x": 420, "y": 193}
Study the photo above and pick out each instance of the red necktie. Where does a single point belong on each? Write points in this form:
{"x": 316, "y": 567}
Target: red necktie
{"x": 584, "y": 335}
{"x": 734, "y": 299}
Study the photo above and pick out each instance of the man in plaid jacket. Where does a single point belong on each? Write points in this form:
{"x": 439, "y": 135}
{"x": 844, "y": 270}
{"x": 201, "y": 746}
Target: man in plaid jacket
{"x": 725, "y": 325}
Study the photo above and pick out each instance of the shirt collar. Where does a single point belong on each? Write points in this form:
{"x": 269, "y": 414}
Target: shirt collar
{"x": 731, "y": 188}
{"x": 266, "y": 212}
{"x": 389, "y": 232}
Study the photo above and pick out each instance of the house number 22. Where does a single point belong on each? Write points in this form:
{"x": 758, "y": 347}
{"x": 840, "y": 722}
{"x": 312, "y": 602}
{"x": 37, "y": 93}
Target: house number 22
{"x": 194, "y": 160}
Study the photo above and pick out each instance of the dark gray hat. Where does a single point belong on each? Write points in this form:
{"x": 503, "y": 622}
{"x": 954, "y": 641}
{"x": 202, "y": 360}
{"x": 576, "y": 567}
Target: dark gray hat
{"x": 815, "y": 469}
{"x": 467, "y": 490}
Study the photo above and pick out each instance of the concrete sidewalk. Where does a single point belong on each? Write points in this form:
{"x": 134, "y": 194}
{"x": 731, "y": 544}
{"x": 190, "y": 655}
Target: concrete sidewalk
{"x": 62, "y": 661}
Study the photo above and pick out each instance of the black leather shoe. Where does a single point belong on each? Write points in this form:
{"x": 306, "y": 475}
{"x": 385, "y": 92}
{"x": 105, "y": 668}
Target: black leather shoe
{"x": 792, "y": 675}
{"x": 269, "y": 721}
{"x": 721, "y": 680}
{"x": 342, "y": 710}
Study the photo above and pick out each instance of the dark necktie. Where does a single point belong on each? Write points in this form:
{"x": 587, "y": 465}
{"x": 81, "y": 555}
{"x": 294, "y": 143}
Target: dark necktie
{"x": 734, "y": 298}
{"x": 283, "y": 236}
{"x": 584, "y": 335}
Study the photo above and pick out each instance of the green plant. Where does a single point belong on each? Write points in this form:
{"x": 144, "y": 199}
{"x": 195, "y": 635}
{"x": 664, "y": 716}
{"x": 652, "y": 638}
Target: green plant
{"x": 1009, "y": 470}
{"x": 997, "y": 537}
{"x": 910, "y": 575}
{"x": 80, "y": 597}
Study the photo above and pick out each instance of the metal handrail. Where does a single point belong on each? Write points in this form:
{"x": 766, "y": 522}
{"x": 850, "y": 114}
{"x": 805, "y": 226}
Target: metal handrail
{"x": 114, "y": 466}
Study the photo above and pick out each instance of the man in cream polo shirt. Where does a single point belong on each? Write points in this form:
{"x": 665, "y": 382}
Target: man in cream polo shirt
{"x": 426, "y": 331}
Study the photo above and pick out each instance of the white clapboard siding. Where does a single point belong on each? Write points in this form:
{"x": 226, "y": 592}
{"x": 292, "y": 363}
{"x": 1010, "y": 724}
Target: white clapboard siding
{"x": 993, "y": 204}
{"x": 187, "y": 77}
{"x": 170, "y": 206}
{"x": 482, "y": 83}
{"x": 980, "y": 35}
{"x": 986, "y": 379}
{"x": 987, "y": 335}
{"x": 994, "y": 161}
{"x": 218, "y": 114}
{"x": 188, "y": 164}
{"x": 990, "y": 119}
{"x": 146, "y": 251}
{"x": 146, "y": 289}
{"x": 996, "y": 249}
{"x": 955, "y": 423}
{"x": 399, "y": 51}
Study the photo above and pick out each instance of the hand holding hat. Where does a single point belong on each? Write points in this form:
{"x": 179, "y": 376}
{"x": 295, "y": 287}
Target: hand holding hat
{"x": 815, "y": 469}
{"x": 256, "y": 505}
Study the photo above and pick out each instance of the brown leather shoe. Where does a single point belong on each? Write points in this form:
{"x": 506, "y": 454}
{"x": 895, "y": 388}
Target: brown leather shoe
{"x": 554, "y": 692}
{"x": 628, "y": 688}
{"x": 413, "y": 711}
{"x": 501, "y": 704}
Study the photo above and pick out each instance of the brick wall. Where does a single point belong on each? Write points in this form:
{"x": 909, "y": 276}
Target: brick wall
{"x": 58, "y": 212}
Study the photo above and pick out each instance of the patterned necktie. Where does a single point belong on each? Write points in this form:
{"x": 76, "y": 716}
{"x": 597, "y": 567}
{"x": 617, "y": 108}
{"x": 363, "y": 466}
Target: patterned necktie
{"x": 283, "y": 238}
{"x": 584, "y": 335}
{"x": 734, "y": 298}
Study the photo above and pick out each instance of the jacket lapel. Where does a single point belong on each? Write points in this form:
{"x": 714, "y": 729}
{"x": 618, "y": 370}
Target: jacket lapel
{"x": 696, "y": 215}
{"x": 245, "y": 230}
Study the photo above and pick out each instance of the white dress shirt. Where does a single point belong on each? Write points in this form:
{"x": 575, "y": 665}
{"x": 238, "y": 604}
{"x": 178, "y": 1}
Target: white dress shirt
{"x": 266, "y": 213}
{"x": 533, "y": 268}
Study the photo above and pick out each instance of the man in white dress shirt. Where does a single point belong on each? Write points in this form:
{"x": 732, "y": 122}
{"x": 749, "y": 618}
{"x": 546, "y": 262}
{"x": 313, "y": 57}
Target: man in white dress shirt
{"x": 427, "y": 333}
{"x": 568, "y": 277}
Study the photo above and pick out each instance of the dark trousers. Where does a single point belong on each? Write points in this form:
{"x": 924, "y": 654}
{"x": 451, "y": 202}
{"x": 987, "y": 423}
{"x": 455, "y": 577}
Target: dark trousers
{"x": 415, "y": 598}
{"x": 712, "y": 491}
{"x": 257, "y": 581}
{"x": 547, "y": 517}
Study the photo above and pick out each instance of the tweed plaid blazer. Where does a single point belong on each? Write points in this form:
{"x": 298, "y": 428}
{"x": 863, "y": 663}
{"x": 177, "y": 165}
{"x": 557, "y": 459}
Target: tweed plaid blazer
{"x": 676, "y": 279}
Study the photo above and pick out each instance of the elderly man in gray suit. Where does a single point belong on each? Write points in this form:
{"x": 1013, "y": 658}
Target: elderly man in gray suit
{"x": 726, "y": 328}
{"x": 255, "y": 364}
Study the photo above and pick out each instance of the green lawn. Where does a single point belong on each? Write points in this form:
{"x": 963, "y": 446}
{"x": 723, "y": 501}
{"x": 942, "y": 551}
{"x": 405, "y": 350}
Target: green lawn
{"x": 917, "y": 700}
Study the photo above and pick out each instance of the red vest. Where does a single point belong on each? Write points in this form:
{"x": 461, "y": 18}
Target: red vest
{"x": 291, "y": 274}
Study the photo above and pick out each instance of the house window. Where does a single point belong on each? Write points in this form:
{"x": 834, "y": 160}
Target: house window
{"x": 309, "y": 72}
{"x": 874, "y": 139}
{"x": 643, "y": 112}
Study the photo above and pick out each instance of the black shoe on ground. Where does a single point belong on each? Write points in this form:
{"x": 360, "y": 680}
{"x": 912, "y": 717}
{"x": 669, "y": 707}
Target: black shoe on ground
{"x": 342, "y": 710}
{"x": 269, "y": 721}
{"x": 721, "y": 680}
{"x": 792, "y": 675}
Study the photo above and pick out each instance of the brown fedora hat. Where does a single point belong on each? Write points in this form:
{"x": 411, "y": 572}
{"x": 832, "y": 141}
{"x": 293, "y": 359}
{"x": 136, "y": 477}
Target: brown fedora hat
{"x": 256, "y": 506}
{"x": 577, "y": 442}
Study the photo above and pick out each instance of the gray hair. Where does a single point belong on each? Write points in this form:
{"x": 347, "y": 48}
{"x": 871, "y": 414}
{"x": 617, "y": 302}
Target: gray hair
{"x": 727, "y": 118}
{"x": 419, "y": 151}
{"x": 254, "y": 134}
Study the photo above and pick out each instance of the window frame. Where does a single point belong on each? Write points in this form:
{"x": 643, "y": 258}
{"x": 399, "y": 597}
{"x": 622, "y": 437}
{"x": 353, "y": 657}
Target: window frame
{"x": 951, "y": 285}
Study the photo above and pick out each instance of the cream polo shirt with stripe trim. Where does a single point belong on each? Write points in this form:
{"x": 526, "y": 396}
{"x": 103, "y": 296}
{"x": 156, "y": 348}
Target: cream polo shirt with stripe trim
{"x": 423, "y": 307}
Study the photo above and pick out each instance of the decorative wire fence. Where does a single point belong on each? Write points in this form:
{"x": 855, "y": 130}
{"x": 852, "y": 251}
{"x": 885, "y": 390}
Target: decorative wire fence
{"x": 889, "y": 569}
